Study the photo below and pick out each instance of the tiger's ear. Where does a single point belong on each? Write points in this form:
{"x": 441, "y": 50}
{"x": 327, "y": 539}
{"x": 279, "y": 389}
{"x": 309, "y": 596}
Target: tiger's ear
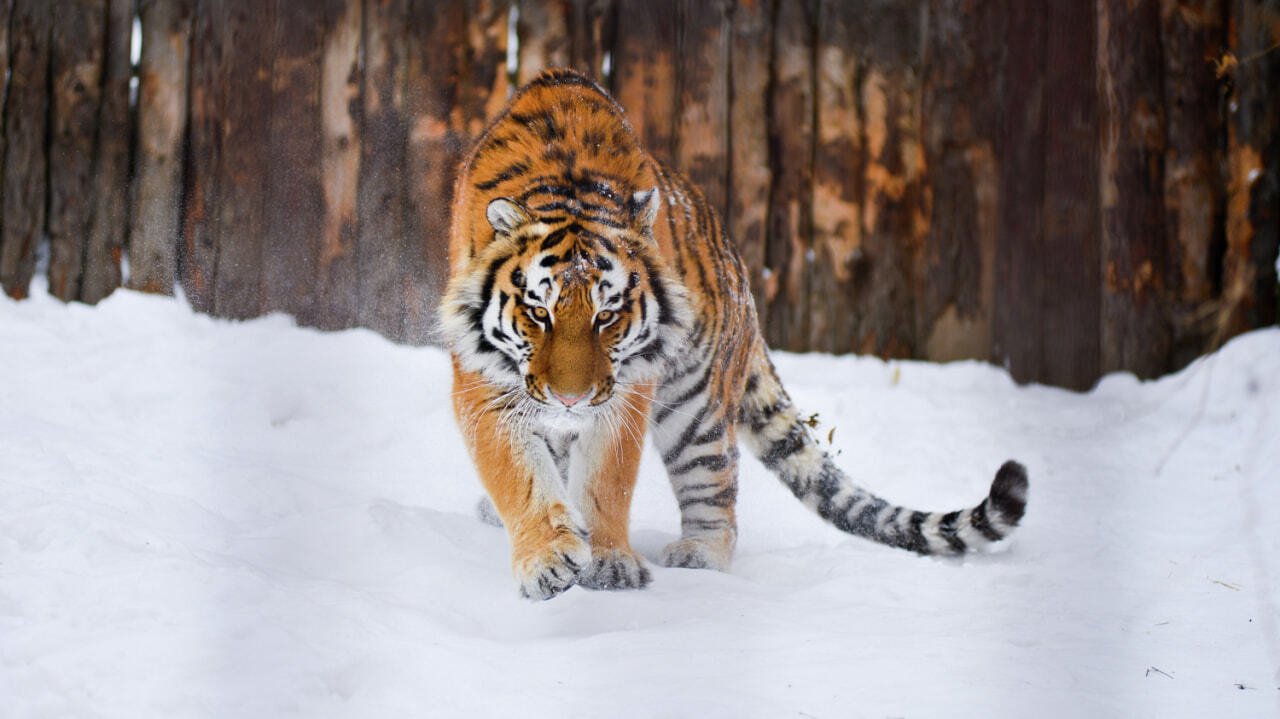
{"x": 506, "y": 215}
{"x": 644, "y": 209}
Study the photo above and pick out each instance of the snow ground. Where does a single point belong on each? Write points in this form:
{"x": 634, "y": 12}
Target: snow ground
{"x": 201, "y": 518}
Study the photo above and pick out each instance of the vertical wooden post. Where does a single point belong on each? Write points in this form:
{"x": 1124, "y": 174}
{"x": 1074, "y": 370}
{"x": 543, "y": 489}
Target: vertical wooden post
{"x": 1069, "y": 264}
{"x": 750, "y": 178}
{"x": 787, "y": 249}
{"x": 25, "y": 163}
{"x": 163, "y": 94}
{"x": 204, "y": 193}
{"x": 838, "y": 163}
{"x": 1016, "y": 337}
{"x": 962, "y": 113}
{"x": 293, "y": 211}
{"x": 1134, "y": 335}
{"x": 337, "y": 283}
{"x": 544, "y": 30}
{"x": 437, "y": 117}
{"x": 1191, "y": 36}
{"x": 108, "y": 224}
{"x": 486, "y": 84}
{"x": 76, "y": 67}
{"x": 644, "y": 72}
{"x": 1249, "y": 292}
{"x": 702, "y": 142}
{"x": 896, "y": 204}
{"x": 593, "y": 36}
{"x": 382, "y": 246}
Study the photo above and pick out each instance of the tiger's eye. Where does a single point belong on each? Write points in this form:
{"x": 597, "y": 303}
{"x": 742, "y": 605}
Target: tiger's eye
{"x": 540, "y": 312}
{"x": 604, "y": 316}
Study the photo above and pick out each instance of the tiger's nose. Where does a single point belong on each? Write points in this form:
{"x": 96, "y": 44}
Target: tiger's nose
{"x": 569, "y": 401}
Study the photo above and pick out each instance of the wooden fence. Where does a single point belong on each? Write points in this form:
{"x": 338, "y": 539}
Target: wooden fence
{"x": 1067, "y": 188}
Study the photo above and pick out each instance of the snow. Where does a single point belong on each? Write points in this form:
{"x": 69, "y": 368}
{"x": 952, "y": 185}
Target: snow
{"x": 202, "y": 518}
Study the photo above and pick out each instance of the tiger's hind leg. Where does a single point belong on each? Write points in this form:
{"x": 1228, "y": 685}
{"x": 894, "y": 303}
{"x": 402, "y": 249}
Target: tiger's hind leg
{"x": 700, "y": 451}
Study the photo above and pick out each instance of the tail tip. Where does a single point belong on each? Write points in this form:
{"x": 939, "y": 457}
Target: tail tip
{"x": 1009, "y": 492}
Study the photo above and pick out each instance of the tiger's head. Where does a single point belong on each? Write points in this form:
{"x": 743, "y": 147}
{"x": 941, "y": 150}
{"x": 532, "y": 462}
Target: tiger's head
{"x": 569, "y": 311}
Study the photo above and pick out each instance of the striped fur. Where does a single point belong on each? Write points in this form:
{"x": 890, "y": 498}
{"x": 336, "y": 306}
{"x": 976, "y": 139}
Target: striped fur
{"x": 594, "y": 296}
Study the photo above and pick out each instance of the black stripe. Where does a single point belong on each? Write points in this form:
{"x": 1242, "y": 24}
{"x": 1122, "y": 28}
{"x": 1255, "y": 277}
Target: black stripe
{"x": 711, "y": 435}
{"x": 694, "y": 391}
{"x": 793, "y": 442}
{"x": 915, "y": 541}
{"x": 513, "y": 170}
{"x": 947, "y": 529}
{"x": 724, "y": 498}
{"x": 712, "y": 462}
{"x": 981, "y": 522}
{"x": 704, "y": 524}
{"x": 686, "y": 436}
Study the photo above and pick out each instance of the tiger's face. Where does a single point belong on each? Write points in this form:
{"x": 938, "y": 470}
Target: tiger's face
{"x": 567, "y": 311}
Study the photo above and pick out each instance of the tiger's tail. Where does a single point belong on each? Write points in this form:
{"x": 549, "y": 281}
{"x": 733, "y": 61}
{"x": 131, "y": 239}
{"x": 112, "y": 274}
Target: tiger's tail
{"x": 772, "y": 428}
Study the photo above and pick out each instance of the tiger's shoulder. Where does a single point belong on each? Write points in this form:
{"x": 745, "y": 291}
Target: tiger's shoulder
{"x": 563, "y": 144}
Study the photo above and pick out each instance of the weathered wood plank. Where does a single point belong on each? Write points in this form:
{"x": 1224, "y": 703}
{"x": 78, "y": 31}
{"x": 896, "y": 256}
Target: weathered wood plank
{"x": 1017, "y": 340}
{"x": 544, "y": 29}
{"x": 487, "y": 86}
{"x": 896, "y": 200}
{"x": 293, "y": 212}
{"x": 438, "y": 119}
{"x": 381, "y": 248}
{"x": 838, "y": 163}
{"x": 25, "y": 162}
{"x": 1190, "y": 34}
{"x": 337, "y": 285}
{"x": 702, "y": 133}
{"x": 6, "y": 12}
{"x": 162, "y": 119}
{"x": 108, "y": 225}
{"x": 244, "y": 173}
{"x": 1069, "y": 266}
{"x": 563, "y": 33}
{"x": 750, "y": 178}
{"x": 645, "y": 58}
{"x": 788, "y": 249}
{"x": 1249, "y": 292}
{"x": 204, "y": 190}
{"x": 1134, "y": 334}
{"x": 962, "y": 116}
{"x": 75, "y": 63}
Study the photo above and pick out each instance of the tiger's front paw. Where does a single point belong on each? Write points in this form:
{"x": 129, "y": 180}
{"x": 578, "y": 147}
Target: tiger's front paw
{"x": 550, "y": 570}
{"x": 615, "y": 569}
{"x": 699, "y": 553}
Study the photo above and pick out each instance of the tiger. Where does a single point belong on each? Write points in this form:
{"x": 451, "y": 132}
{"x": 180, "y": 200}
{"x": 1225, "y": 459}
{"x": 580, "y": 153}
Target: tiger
{"x": 593, "y": 296}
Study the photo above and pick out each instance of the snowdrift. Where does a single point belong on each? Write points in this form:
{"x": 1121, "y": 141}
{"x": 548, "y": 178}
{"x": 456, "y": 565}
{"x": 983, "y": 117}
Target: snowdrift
{"x": 207, "y": 518}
